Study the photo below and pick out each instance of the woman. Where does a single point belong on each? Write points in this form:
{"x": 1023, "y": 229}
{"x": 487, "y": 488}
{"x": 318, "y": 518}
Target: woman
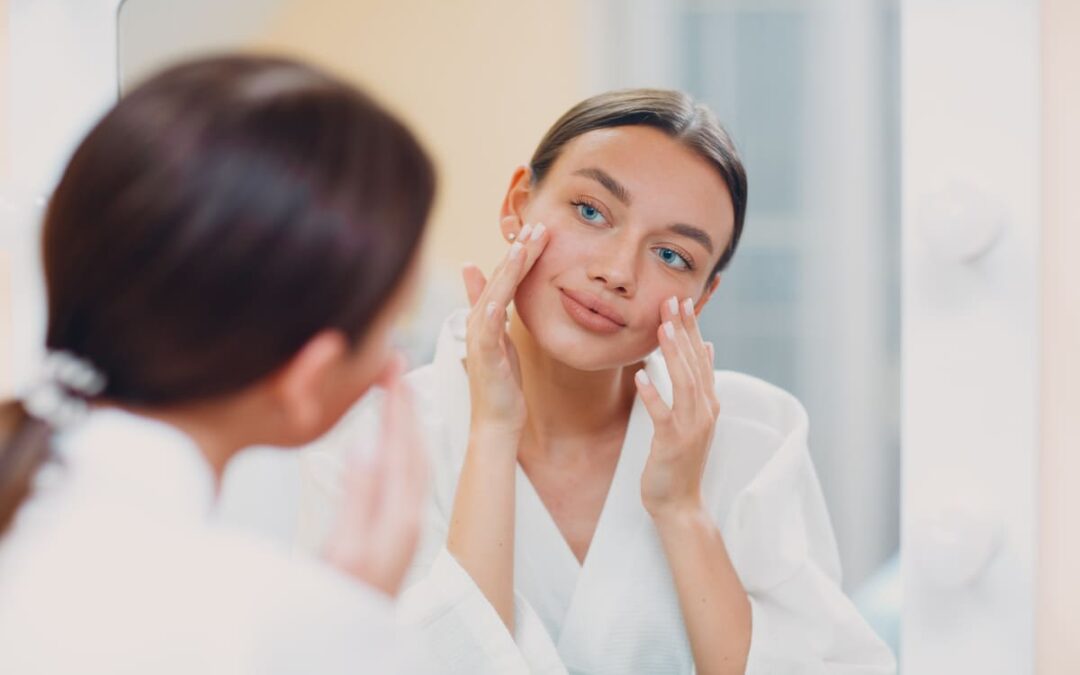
{"x": 225, "y": 255}
{"x": 600, "y": 506}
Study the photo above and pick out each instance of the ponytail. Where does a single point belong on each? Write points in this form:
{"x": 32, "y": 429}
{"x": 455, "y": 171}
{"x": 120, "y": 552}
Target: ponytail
{"x": 24, "y": 448}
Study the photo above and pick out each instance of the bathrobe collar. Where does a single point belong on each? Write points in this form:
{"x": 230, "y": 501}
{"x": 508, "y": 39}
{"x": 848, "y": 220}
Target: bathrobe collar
{"x": 134, "y": 460}
{"x": 567, "y": 595}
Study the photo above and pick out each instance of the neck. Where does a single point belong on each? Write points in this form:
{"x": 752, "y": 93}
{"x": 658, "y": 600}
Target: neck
{"x": 210, "y": 427}
{"x": 566, "y": 405}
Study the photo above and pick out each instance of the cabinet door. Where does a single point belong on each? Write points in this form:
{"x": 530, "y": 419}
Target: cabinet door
{"x": 971, "y": 224}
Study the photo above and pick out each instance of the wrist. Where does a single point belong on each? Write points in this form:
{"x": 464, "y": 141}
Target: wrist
{"x": 498, "y": 431}
{"x": 678, "y": 515}
{"x": 494, "y": 442}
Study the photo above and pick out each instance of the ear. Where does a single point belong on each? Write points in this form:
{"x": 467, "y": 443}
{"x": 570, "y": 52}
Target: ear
{"x": 709, "y": 290}
{"x": 511, "y": 215}
{"x": 302, "y": 387}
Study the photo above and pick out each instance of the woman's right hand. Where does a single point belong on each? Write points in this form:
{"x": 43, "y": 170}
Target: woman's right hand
{"x": 378, "y": 525}
{"x": 498, "y": 404}
{"x": 481, "y": 532}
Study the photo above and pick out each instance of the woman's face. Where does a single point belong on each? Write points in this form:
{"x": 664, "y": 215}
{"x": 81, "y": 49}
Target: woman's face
{"x": 635, "y": 218}
{"x": 343, "y": 374}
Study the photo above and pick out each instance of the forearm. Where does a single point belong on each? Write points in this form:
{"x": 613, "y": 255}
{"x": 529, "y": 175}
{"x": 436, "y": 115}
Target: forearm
{"x": 715, "y": 606}
{"x": 481, "y": 533}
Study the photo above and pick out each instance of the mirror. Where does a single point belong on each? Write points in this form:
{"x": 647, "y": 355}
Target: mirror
{"x": 810, "y": 93}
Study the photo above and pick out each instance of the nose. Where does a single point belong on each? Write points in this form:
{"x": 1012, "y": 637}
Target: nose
{"x": 614, "y": 267}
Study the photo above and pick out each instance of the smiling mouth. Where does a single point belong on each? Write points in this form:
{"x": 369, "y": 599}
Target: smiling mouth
{"x": 587, "y": 317}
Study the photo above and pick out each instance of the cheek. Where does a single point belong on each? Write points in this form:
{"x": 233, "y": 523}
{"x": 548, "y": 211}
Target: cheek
{"x": 367, "y": 366}
{"x": 649, "y": 317}
{"x": 657, "y": 286}
{"x": 652, "y": 298}
{"x": 557, "y": 264}
{"x": 525, "y": 297}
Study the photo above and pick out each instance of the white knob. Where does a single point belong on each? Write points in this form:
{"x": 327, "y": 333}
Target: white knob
{"x": 954, "y": 546}
{"x": 961, "y": 223}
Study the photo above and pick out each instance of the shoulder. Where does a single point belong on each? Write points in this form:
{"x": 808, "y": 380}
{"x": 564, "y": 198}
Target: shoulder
{"x": 760, "y": 442}
{"x": 754, "y": 401}
{"x": 360, "y": 423}
{"x": 421, "y": 382}
{"x": 161, "y": 579}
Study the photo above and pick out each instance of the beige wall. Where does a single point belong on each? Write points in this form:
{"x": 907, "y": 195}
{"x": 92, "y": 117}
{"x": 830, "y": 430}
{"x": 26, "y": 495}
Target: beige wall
{"x": 480, "y": 80}
{"x": 1058, "y": 619}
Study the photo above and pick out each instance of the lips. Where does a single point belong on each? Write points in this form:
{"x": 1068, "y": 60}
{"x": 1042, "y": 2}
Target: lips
{"x": 591, "y": 313}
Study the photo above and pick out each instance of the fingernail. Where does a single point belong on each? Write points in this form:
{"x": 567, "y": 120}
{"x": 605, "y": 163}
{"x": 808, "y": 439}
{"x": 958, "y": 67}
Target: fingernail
{"x": 490, "y": 309}
{"x": 673, "y": 305}
{"x": 688, "y": 307}
{"x": 515, "y": 249}
{"x": 641, "y": 377}
{"x": 669, "y": 329}
{"x": 524, "y": 234}
{"x": 538, "y": 232}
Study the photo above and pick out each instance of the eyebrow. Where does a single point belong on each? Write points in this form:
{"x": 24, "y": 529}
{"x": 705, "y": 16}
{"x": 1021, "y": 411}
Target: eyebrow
{"x": 623, "y": 195}
{"x": 604, "y": 178}
{"x": 696, "y": 233}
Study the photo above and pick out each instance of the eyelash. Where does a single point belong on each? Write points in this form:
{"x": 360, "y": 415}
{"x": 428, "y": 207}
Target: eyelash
{"x": 682, "y": 256}
{"x": 585, "y": 201}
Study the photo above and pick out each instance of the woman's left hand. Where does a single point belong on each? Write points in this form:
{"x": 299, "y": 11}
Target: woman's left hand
{"x": 683, "y": 432}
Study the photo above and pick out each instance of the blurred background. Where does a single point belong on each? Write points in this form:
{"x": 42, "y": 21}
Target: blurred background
{"x": 811, "y": 91}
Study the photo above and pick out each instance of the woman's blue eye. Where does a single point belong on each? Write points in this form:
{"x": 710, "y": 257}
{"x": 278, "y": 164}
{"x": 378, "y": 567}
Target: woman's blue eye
{"x": 590, "y": 213}
{"x": 673, "y": 259}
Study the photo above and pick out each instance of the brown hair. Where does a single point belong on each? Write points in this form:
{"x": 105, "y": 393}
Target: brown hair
{"x": 218, "y": 217}
{"x": 673, "y": 112}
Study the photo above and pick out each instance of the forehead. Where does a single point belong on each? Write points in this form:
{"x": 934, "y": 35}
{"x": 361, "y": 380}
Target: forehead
{"x": 667, "y": 181}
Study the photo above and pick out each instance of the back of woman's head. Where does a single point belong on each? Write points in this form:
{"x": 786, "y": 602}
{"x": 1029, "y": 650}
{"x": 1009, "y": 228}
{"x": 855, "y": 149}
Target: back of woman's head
{"x": 222, "y": 214}
{"x": 216, "y": 219}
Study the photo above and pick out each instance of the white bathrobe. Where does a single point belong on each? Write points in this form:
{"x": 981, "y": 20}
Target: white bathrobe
{"x": 113, "y": 566}
{"x": 618, "y": 612}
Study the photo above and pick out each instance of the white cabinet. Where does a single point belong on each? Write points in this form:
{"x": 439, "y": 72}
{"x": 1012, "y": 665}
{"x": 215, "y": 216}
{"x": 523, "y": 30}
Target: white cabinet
{"x": 971, "y": 190}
